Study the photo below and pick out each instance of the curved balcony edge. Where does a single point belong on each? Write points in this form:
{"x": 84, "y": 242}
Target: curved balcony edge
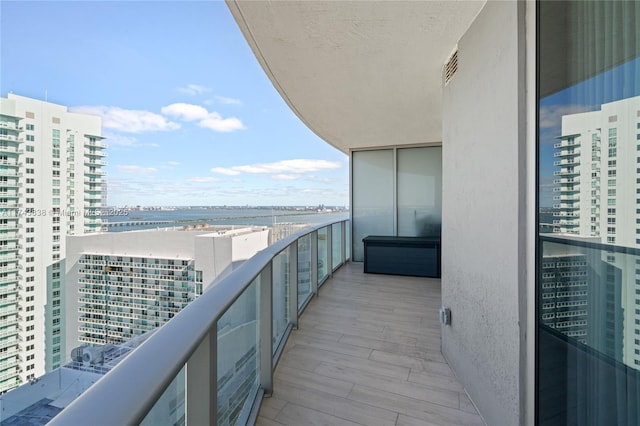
{"x": 127, "y": 393}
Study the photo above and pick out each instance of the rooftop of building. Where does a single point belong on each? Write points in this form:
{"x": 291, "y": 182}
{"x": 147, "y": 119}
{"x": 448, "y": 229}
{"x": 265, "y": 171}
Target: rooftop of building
{"x": 41, "y": 399}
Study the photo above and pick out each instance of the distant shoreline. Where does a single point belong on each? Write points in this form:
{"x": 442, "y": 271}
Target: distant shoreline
{"x": 152, "y": 219}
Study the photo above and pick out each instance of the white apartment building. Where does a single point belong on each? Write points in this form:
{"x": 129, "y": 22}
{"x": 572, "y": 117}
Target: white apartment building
{"x": 597, "y": 196}
{"x": 597, "y": 159}
{"x": 120, "y": 285}
{"x": 50, "y": 186}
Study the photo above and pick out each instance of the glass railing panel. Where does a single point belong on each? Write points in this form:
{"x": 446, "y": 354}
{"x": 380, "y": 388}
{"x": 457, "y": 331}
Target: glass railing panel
{"x": 347, "y": 239}
{"x": 589, "y": 331}
{"x": 170, "y": 407}
{"x": 323, "y": 270}
{"x": 238, "y": 368}
{"x": 280, "y": 298}
{"x": 304, "y": 269}
{"x": 336, "y": 245}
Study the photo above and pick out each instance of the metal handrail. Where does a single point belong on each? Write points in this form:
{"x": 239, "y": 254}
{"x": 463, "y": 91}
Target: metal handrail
{"x": 129, "y": 391}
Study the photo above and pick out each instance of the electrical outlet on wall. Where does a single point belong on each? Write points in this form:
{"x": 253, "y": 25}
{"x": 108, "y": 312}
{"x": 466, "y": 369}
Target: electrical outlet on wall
{"x": 445, "y": 316}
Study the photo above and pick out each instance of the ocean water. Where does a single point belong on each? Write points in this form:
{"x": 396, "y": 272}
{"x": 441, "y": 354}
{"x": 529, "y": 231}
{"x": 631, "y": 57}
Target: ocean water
{"x": 216, "y": 216}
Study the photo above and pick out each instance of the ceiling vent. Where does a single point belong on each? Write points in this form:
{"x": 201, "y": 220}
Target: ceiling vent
{"x": 450, "y": 67}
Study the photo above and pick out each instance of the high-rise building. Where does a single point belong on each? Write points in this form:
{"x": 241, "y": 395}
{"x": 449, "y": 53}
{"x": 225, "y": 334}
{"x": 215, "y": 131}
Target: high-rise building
{"x": 565, "y": 296}
{"x": 597, "y": 187}
{"x": 120, "y": 285}
{"x": 596, "y": 192}
{"x": 50, "y": 186}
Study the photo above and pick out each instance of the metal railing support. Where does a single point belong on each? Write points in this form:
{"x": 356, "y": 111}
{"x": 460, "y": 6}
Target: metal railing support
{"x": 293, "y": 284}
{"x": 202, "y": 382}
{"x": 343, "y": 243}
{"x": 266, "y": 329}
{"x": 329, "y": 251}
{"x": 314, "y": 262}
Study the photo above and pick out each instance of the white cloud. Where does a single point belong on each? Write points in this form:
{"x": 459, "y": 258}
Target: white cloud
{"x": 203, "y": 179}
{"x": 215, "y": 122}
{"x": 551, "y": 116}
{"x": 128, "y": 120}
{"x": 312, "y": 178}
{"x": 193, "y": 89}
{"x": 284, "y": 176}
{"x": 187, "y": 112}
{"x": 210, "y": 120}
{"x": 224, "y": 171}
{"x": 169, "y": 165}
{"x": 113, "y": 139}
{"x": 228, "y": 101}
{"x": 137, "y": 170}
{"x": 282, "y": 168}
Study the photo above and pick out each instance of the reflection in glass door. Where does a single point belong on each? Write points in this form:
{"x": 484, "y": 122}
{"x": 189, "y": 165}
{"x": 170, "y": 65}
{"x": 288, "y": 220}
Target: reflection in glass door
{"x": 588, "y": 273}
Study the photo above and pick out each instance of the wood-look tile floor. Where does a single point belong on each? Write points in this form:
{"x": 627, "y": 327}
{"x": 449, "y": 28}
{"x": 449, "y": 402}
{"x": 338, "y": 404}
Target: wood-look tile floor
{"x": 367, "y": 352}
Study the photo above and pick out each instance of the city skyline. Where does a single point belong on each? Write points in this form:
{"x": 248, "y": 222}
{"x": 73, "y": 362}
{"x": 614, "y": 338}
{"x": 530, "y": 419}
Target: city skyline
{"x": 164, "y": 103}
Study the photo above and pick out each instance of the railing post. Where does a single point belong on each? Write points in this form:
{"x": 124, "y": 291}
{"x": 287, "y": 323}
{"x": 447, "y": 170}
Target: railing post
{"x": 202, "y": 382}
{"x": 266, "y": 328}
{"x": 343, "y": 242}
{"x": 314, "y": 262}
{"x": 293, "y": 284}
{"x": 329, "y": 251}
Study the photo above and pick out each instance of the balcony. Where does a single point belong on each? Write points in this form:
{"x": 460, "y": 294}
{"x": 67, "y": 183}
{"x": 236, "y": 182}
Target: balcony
{"x": 567, "y": 197}
{"x": 95, "y": 152}
{"x": 92, "y": 197}
{"x": 10, "y": 125}
{"x": 567, "y": 180}
{"x": 566, "y": 223}
{"x": 566, "y": 173}
{"x": 565, "y": 153}
{"x": 10, "y": 138}
{"x": 93, "y": 162}
{"x": 566, "y": 214}
{"x": 10, "y": 149}
{"x": 366, "y": 351}
{"x": 566, "y": 143}
{"x": 567, "y": 162}
{"x": 96, "y": 144}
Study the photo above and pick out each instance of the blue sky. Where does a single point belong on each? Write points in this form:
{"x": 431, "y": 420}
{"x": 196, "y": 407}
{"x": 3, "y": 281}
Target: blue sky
{"x": 190, "y": 117}
{"x": 617, "y": 83}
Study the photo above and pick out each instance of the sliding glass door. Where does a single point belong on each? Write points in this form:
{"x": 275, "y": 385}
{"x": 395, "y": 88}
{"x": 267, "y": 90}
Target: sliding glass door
{"x": 588, "y": 265}
{"x": 396, "y": 191}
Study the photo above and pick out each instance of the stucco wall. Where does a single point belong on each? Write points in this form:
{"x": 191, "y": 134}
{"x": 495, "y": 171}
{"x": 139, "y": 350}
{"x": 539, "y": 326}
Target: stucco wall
{"x": 482, "y": 212}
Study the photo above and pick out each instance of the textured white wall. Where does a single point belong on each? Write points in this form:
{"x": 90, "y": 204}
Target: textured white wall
{"x": 483, "y": 215}
{"x": 246, "y": 245}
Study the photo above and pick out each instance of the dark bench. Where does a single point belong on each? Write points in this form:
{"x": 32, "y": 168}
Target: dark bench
{"x": 415, "y": 256}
